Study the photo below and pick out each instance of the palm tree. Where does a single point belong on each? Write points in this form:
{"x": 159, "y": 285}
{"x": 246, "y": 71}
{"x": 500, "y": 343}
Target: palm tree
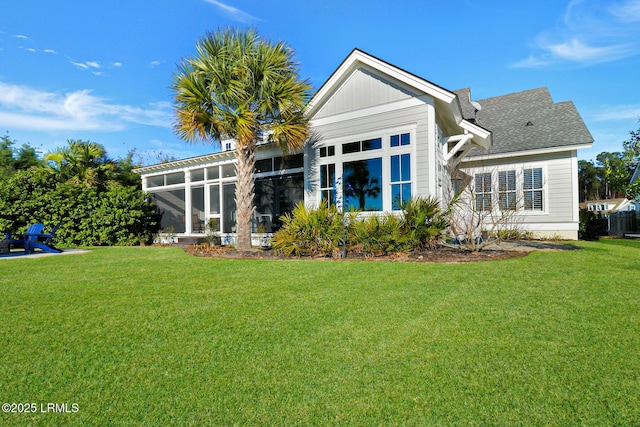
{"x": 239, "y": 86}
{"x": 82, "y": 162}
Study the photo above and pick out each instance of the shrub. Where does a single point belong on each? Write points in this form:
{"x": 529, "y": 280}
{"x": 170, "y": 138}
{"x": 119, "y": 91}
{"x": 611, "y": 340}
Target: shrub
{"x": 514, "y": 234}
{"x": 375, "y": 236}
{"x": 322, "y": 230}
{"x": 423, "y": 222}
{"x": 591, "y": 226}
{"x": 312, "y": 231}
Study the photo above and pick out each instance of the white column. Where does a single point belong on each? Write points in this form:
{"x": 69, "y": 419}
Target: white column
{"x": 187, "y": 202}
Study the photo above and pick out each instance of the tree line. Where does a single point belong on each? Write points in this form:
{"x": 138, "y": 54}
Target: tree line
{"x": 95, "y": 199}
{"x": 609, "y": 176}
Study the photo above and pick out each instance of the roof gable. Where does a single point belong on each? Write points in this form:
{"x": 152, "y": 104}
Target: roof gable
{"x": 360, "y": 69}
{"x": 399, "y": 78}
{"x": 363, "y": 88}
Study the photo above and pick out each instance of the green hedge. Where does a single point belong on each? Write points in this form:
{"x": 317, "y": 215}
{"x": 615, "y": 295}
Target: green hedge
{"x": 109, "y": 214}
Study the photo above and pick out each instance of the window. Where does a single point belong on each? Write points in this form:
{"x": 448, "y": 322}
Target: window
{"x": 197, "y": 175}
{"x": 155, "y": 181}
{"x": 400, "y": 180}
{"x": 362, "y": 185}
{"x": 327, "y": 183}
{"x": 328, "y": 151}
{"x": 228, "y": 170}
{"x": 532, "y": 189}
{"x": 507, "y": 190}
{"x": 398, "y": 140}
{"x": 366, "y": 145}
{"x": 264, "y": 165}
{"x": 174, "y": 178}
{"x": 482, "y": 191}
{"x": 289, "y": 162}
{"x": 168, "y": 179}
{"x": 213, "y": 172}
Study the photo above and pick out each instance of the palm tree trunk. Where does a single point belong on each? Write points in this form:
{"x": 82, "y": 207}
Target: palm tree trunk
{"x": 245, "y": 154}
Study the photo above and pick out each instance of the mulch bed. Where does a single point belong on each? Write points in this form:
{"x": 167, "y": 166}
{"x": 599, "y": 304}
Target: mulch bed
{"x": 441, "y": 255}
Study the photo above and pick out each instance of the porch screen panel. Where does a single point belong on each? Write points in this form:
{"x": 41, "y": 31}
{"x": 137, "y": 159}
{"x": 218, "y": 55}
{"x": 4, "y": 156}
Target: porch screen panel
{"x": 171, "y": 207}
{"x": 229, "y": 208}
{"x": 197, "y": 210}
{"x": 214, "y": 199}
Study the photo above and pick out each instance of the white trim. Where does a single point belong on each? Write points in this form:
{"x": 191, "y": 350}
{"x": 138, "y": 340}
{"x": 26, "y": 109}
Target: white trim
{"x": 575, "y": 187}
{"x": 372, "y": 111}
{"x": 358, "y": 57}
{"x": 526, "y": 153}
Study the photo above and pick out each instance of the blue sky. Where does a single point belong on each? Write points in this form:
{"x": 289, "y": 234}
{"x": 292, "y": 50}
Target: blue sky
{"x": 101, "y": 70}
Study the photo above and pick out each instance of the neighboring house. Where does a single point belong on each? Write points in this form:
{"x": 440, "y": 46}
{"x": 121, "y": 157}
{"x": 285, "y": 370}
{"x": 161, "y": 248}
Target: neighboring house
{"x": 382, "y": 135}
{"x": 608, "y": 206}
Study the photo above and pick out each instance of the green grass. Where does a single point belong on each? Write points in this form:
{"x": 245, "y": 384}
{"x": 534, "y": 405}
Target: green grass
{"x": 154, "y": 337}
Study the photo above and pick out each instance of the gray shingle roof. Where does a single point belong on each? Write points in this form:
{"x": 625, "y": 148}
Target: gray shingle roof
{"x": 527, "y": 120}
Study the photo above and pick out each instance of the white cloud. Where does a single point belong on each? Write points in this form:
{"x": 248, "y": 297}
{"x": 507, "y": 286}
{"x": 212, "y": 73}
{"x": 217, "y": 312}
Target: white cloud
{"x": 627, "y": 11}
{"x": 155, "y": 63}
{"x": 234, "y": 13}
{"x": 575, "y": 50}
{"x": 25, "y": 108}
{"x": 50, "y": 51}
{"x": 22, "y": 37}
{"x": 116, "y": 64}
{"x": 619, "y": 112}
{"x": 80, "y": 65}
{"x": 591, "y": 32}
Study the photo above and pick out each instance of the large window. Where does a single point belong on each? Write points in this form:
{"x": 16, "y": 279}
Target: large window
{"x": 532, "y": 189}
{"x": 362, "y": 186}
{"x": 507, "y": 190}
{"x": 482, "y": 191}
{"x": 373, "y": 173}
{"x": 400, "y": 179}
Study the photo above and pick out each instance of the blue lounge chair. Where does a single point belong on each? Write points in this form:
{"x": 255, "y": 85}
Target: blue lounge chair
{"x": 32, "y": 230}
{"x": 40, "y": 240}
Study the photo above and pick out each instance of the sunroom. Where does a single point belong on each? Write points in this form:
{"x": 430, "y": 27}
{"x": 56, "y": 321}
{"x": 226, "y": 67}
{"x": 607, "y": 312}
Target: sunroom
{"x": 196, "y": 196}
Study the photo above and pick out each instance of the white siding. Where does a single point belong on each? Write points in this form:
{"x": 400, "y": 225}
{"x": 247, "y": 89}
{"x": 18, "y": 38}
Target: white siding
{"x": 363, "y": 88}
{"x": 560, "y": 178}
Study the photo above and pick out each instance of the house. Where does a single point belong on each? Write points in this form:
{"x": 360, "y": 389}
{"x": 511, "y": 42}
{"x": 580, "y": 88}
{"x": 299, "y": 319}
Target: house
{"x": 381, "y": 135}
{"x": 605, "y": 207}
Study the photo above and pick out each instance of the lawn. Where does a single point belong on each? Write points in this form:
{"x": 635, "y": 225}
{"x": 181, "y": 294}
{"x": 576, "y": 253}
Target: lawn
{"x": 151, "y": 336}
